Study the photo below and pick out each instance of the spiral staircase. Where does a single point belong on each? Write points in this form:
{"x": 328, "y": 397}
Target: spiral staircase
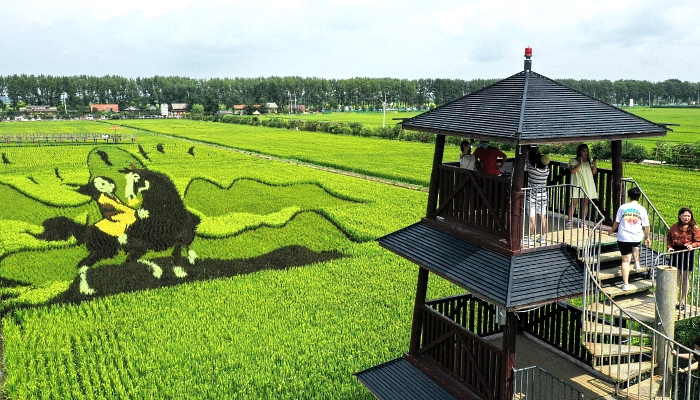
{"x": 629, "y": 340}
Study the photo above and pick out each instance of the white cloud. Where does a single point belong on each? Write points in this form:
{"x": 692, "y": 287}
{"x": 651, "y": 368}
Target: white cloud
{"x": 338, "y": 39}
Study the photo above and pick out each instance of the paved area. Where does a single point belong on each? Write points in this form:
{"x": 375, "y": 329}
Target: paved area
{"x": 532, "y": 352}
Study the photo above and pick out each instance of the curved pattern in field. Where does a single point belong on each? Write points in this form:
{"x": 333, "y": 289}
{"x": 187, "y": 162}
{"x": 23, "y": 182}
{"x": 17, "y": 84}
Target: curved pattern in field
{"x": 256, "y": 196}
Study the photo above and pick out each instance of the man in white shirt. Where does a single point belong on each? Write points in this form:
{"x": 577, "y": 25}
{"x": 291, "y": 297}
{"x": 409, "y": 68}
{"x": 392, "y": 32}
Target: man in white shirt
{"x": 633, "y": 223}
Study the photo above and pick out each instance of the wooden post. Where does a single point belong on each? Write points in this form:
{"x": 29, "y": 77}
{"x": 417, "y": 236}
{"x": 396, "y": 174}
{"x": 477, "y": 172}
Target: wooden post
{"x": 666, "y": 292}
{"x": 618, "y": 198}
{"x": 417, "y": 326}
{"x": 509, "y": 336}
{"x": 435, "y": 176}
{"x": 516, "y": 197}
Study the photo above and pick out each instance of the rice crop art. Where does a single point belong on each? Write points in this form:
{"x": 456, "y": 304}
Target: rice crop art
{"x": 121, "y": 227}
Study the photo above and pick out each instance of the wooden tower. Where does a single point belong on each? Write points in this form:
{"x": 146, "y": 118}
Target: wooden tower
{"x": 473, "y": 236}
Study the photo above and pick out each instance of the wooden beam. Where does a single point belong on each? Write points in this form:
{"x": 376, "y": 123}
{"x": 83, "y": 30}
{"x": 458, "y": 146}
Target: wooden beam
{"x": 618, "y": 196}
{"x": 417, "y": 326}
{"x": 509, "y": 338}
{"x": 435, "y": 176}
{"x": 517, "y": 197}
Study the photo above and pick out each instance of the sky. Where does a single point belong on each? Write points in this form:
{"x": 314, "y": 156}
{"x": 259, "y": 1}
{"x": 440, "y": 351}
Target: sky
{"x": 650, "y": 40}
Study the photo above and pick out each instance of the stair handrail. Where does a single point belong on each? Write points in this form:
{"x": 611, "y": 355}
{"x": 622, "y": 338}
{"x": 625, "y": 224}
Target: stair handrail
{"x": 693, "y": 290}
{"x": 613, "y": 327}
{"x": 544, "y": 385}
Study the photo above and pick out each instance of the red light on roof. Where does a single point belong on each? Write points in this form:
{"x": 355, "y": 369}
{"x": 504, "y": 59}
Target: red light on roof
{"x": 528, "y": 52}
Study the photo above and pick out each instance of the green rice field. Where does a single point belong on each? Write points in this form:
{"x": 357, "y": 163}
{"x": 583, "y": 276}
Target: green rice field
{"x": 289, "y": 296}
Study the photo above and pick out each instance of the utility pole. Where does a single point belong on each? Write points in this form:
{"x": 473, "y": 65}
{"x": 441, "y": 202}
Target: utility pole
{"x": 384, "y": 109}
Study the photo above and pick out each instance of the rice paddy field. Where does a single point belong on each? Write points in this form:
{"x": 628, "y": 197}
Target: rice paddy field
{"x": 289, "y": 294}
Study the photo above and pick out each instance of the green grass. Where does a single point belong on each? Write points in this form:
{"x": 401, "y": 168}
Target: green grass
{"x": 296, "y": 333}
{"x": 374, "y": 119}
{"x": 687, "y": 118}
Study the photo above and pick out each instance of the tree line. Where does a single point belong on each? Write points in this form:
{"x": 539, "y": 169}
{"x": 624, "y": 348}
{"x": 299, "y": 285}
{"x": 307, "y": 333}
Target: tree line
{"x": 77, "y": 92}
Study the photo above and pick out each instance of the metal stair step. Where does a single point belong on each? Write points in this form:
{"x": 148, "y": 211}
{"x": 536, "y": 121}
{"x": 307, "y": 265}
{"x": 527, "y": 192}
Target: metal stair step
{"x": 607, "y": 349}
{"x": 620, "y": 372}
{"x": 638, "y": 305}
{"x": 607, "y": 329}
{"x": 614, "y": 273}
{"x": 644, "y": 390}
{"x": 635, "y": 287}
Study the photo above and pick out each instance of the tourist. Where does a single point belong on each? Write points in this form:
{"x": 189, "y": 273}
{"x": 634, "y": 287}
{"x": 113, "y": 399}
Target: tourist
{"x": 633, "y": 223}
{"x": 466, "y": 158}
{"x": 689, "y": 356}
{"x": 582, "y": 169}
{"x": 537, "y": 176}
{"x": 491, "y": 158}
{"x": 683, "y": 235}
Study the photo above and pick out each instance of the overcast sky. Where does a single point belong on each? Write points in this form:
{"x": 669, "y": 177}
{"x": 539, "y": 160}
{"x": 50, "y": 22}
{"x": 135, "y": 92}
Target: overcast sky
{"x": 610, "y": 39}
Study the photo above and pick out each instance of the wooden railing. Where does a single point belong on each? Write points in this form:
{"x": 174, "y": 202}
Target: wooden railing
{"x": 56, "y": 139}
{"x": 465, "y": 356}
{"x": 559, "y": 325}
{"x": 469, "y": 312}
{"x": 474, "y": 199}
{"x": 560, "y": 175}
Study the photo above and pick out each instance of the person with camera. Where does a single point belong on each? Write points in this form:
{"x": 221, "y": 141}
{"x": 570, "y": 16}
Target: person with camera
{"x": 582, "y": 169}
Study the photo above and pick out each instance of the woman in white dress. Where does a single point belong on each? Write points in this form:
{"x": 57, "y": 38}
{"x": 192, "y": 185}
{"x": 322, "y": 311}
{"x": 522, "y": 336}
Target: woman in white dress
{"x": 582, "y": 170}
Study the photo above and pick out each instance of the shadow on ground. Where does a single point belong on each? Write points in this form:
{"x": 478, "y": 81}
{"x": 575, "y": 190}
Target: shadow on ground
{"x": 129, "y": 277}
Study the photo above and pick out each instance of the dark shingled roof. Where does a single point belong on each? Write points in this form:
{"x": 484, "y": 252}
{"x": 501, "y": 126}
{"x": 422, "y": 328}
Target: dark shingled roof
{"x": 531, "y": 108}
{"x": 399, "y": 379}
{"x": 530, "y": 278}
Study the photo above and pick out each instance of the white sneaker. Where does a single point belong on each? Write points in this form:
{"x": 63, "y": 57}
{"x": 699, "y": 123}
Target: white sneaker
{"x": 543, "y": 239}
{"x": 625, "y": 287}
{"x": 529, "y": 241}
{"x": 637, "y": 267}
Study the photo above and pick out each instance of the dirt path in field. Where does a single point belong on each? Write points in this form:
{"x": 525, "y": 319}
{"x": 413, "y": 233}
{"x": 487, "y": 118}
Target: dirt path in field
{"x": 291, "y": 161}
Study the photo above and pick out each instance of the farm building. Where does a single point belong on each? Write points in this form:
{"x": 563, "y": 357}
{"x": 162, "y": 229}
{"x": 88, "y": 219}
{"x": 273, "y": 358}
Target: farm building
{"x": 104, "y": 107}
{"x": 177, "y": 109}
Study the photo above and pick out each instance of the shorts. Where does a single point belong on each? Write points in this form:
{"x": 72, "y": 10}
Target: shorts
{"x": 684, "y": 261}
{"x": 626, "y": 247}
{"x": 536, "y": 206}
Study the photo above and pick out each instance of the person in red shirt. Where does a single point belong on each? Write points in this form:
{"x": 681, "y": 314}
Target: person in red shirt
{"x": 684, "y": 236}
{"x": 489, "y": 158}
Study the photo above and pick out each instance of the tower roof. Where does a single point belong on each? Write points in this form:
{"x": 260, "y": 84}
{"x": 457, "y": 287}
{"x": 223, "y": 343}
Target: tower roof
{"x": 529, "y": 108}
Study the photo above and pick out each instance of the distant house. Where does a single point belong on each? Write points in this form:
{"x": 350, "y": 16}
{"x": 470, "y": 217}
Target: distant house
{"x": 177, "y": 109}
{"x": 224, "y": 112}
{"x": 272, "y": 108}
{"x": 239, "y": 109}
{"x": 38, "y": 109}
{"x": 104, "y": 107}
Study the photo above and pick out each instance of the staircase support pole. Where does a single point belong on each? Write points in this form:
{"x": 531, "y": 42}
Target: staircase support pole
{"x": 666, "y": 292}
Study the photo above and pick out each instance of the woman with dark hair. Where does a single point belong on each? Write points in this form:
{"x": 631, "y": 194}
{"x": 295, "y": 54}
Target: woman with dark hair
{"x": 582, "y": 170}
{"x": 683, "y": 235}
{"x": 466, "y": 158}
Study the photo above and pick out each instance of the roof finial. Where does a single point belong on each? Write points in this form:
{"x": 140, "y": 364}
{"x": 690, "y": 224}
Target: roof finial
{"x": 528, "y": 62}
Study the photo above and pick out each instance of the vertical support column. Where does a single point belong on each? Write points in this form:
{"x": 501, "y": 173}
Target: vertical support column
{"x": 509, "y": 337}
{"x": 435, "y": 176}
{"x": 666, "y": 292}
{"x": 417, "y": 326}
{"x": 516, "y": 197}
{"x": 617, "y": 198}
